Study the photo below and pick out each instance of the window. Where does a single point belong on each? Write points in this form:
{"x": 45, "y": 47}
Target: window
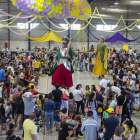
{"x": 73, "y": 27}
{"x": 106, "y": 27}
{"x": 138, "y": 26}
{"x": 65, "y": 26}
{"x": 25, "y": 26}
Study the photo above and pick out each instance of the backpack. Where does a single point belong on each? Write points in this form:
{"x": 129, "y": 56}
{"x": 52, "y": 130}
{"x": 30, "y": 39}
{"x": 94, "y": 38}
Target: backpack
{"x": 38, "y": 110}
{"x": 19, "y": 102}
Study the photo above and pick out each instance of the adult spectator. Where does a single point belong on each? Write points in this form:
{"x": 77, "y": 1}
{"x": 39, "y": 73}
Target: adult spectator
{"x": 30, "y": 129}
{"x": 90, "y": 127}
{"x": 19, "y": 110}
{"x": 12, "y": 136}
{"x": 49, "y": 108}
{"x": 78, "y": 98}
{"x": 50, "y": 57}
{"x": 130, "y": 51}
{"x": 103, "y": 83}
{"x": 112, "y": 89}
{"x": 131, "y": 99}
{"x": 123, "y": 101}
{"x": 33, "y": 91}
{"x": 120, "y": 78}
{"x": 110, "y": 124}
{"x": 72, "y": 124}
{"x": 116, "y": 66}
{"x": 130, "y": 82}
{"x": 37, "y": 65}
{"x": 99, "y": 98}
{"x": 65, "y": 97}
{"x": 12, "y": 68}
{"x": 94, "y": 89}
{"x": 128, "y": 128}
{"x": 12, "y": 92}
{"x": 2, "y": 74}
{"x": 57, "y": 94}
{"x": 63, "y": 133}
{"x": 29, "y": 102}
{"x": 2, "y": 111}
{"x": 81, "y": 59}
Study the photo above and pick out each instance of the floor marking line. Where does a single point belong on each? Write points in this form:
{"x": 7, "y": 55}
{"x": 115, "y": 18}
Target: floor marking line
{"x": 135, "y": 123}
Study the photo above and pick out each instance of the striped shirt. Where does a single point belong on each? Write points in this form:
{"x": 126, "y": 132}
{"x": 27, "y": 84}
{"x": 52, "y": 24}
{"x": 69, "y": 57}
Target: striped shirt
{"x": 90, "y": 127}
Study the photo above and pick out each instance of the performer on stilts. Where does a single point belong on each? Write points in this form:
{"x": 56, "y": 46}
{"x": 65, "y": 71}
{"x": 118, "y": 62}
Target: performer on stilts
{"x": 100, "y": 67}
{"x": 63, "y": 69}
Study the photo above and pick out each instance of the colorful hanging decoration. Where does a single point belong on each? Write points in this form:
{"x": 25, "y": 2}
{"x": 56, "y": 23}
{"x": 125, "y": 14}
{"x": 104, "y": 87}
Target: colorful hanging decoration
{"x": 83, "y": 34}
{"x": 59, "y": 9}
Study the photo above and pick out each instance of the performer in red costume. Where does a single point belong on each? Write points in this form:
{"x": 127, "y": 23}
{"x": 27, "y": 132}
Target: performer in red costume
{"x": 62, "y": 70}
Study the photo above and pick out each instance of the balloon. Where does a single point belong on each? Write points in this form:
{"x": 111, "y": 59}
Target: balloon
{"x": 55, "y": 8}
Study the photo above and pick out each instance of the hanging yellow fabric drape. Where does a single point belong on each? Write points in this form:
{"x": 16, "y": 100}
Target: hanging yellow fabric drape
{"x": 48, "y": 37}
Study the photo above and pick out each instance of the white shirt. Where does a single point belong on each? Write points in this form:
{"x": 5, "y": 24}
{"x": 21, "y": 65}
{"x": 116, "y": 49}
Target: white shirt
{"x": 20, "y": 66}
{"x": 116, "y": 90}
{"x": 104, "y": 83}
{"x": 21, "y": 74}
{"x": 0, "y": 92}
{"x": 130, "y": 52}
{"x": 77, "y": 95}
{"x": 12, "y": 69}
{"x": 132, "y": 83}
{"x": 3, "y": 49}
{"x": 28, "y": 94}
{"x": 133, "y": 76}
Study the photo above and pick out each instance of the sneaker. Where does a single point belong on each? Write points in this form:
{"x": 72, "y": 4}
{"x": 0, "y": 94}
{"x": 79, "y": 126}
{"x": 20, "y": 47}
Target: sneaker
{"x": 51, "y": 131}
{"x": 48, "y": 132}
{"x": 79, "y": 136}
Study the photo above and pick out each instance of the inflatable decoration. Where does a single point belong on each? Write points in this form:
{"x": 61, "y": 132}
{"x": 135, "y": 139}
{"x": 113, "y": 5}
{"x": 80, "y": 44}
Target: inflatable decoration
{"x": 59, "y": 9}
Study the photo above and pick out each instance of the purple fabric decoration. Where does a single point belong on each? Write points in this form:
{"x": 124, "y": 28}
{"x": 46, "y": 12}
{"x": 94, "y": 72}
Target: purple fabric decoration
{"x": 116, "y": 37}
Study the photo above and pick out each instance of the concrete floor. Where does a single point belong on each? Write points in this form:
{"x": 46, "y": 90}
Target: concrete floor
{"x": 84, "y": 78}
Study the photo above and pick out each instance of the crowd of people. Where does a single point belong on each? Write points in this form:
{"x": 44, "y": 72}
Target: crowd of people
{"x": 19, "y": 100}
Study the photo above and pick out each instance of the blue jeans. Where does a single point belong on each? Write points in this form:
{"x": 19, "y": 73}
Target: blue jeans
{"x": 92, "y": 67}
{"x": 57, "y": 105}
{"x": 49, "y": 116}
{"x": 122, "y": 119}
{"x": 81, "y": 66}
{"x": 86, "y": 64}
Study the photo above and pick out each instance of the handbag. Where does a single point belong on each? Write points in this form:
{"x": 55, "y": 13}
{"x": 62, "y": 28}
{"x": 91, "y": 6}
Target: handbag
{"x": 64, "y": 96}
{"x": 119, "y": 108}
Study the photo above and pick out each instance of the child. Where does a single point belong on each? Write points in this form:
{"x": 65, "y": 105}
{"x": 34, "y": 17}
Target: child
{"x": 11, "y": 136}
{"x": 105, "y": 114}
{"x": 5, "y": 94}
{"x": 101, "y": 133}
{"x": 87, "y": 92}
{"x": 63, "y": 116}
{"x": 40, "y": 72}
{"x": 58, "y": 120}
{"x": 78, "y": 128}
{"x": 39, "y": 100}
{"x": 7, "y": 111}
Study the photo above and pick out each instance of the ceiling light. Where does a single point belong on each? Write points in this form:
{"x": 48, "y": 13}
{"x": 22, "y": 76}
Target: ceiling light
{"x": 1, "y": 9}
{"x": 138, "y": 13}
{"x": 102, "y": 8}
{"x": 116, "y": 3}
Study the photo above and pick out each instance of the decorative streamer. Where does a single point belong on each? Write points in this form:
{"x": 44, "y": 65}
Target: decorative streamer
{"x": 19, "y": 33}
{"x": 14, "y": 15}
{"x": 11, "y": 17}
{"x": 14, "y": 26}
{"x": 58, "y": 26}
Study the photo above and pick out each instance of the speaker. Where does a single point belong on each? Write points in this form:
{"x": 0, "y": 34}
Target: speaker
{"x": 92, "y": 48}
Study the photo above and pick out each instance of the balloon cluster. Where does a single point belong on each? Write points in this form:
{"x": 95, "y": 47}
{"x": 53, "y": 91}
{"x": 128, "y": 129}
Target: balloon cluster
{"x": 59, "y": 9}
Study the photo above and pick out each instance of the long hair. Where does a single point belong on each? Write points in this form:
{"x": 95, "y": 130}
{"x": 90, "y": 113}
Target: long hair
{"x": 130, "y": 124}
{"x": 91, "y": 97}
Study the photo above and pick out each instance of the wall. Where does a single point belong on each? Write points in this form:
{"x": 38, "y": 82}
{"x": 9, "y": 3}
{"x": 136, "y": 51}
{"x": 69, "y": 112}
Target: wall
{"x": 39, "y": 31}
